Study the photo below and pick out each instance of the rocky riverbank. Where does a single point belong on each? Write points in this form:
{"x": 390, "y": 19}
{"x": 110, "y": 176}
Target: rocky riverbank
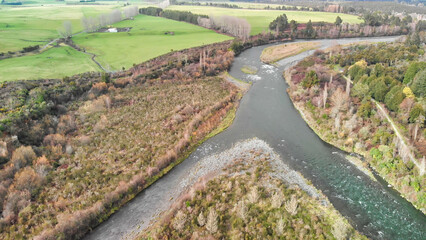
{"x": 248, "y": 190}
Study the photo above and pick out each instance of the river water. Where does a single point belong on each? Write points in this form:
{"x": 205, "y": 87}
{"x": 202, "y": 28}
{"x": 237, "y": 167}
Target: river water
{"x": 266, "y": 112}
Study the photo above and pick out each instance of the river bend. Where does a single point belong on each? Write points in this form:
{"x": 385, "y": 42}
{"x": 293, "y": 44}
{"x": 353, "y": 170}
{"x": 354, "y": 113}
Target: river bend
{"x": 266, "y": 112}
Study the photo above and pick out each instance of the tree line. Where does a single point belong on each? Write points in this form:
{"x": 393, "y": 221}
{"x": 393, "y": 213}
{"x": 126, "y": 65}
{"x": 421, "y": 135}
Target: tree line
{"x": 374, "y": 25}
{"x": 234, "y": 26}
{"x": 92, "y": 24}
{"x": 222, "y": 5}
{"x": 184, "y": 16}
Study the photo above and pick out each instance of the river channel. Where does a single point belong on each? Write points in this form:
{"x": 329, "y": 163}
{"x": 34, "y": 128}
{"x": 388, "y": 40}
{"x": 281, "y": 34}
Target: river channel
{"x": 266, "y": 112}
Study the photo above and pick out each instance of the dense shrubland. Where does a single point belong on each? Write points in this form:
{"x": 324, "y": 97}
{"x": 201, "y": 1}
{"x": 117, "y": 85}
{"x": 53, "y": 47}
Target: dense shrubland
{"x": 74, "y": 150}
{"x": 338, "y": 90}
{"x": 248, "y": 201}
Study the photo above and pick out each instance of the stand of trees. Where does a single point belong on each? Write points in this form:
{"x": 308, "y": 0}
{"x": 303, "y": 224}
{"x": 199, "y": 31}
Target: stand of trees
{"x": 130, "y": 12}
{"x": 184, "y": 16}
{"x": 66, "y": 30}
{"x": 181, "y": 16}
{"x": 234, "y": 26}
{"x": 279, "y": 24}
{"x": 237, "y": 27}
{"x": 151, "y": 11}
{"x": 211, "y": 4}
{"x": 92, "y": 24}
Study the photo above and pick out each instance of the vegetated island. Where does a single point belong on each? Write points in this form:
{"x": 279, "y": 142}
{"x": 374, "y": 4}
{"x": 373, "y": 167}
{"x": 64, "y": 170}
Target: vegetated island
{"x": 248, "y": 191}
{"x": 369, "y": 99}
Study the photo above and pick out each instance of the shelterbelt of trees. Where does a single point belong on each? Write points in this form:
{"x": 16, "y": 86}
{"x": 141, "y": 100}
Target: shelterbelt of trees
{"x": 234, "y": 26}
{"x": 375, "y": 105}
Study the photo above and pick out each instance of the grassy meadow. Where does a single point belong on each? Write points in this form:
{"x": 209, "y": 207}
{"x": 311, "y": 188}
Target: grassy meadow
{"x": 24, "y": 26}
{"x": 37, "y": 25}
{"x": 146, "y": 40}
{"x": 260, "y": 19}
{"x": 38, "y": 22}
{"x": 56, "y": 62}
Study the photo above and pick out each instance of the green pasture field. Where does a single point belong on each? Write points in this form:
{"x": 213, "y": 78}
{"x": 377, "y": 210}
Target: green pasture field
{"x": 260, "y": 19}
{"x": 26, "y": 26}
{"x": 56, "y": 62}
{"x": 146, "y": 40}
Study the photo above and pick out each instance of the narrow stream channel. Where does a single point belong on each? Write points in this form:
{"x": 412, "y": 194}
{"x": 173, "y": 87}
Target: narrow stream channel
{"x": 267, "y": 112}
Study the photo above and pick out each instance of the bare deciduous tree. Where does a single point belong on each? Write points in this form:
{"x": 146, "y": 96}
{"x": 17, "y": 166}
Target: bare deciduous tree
{"x": 164, "y": 4}
{"x": 348, "y": 86}
{"x": 115, "y": 16}
{"x": 66, "y": 30}
{"x": 130, "y": 12}
{"x": 339, "y": 100}
{"x": 104, "y": 20}
{"x": 337, "y": 122}
{"x": 204, "y": 22}
{"x": 92, "y": 24}
{"x": 229, "y": 24}
{"x": 325, "y": 95}
{"x": 419, "y": 124}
